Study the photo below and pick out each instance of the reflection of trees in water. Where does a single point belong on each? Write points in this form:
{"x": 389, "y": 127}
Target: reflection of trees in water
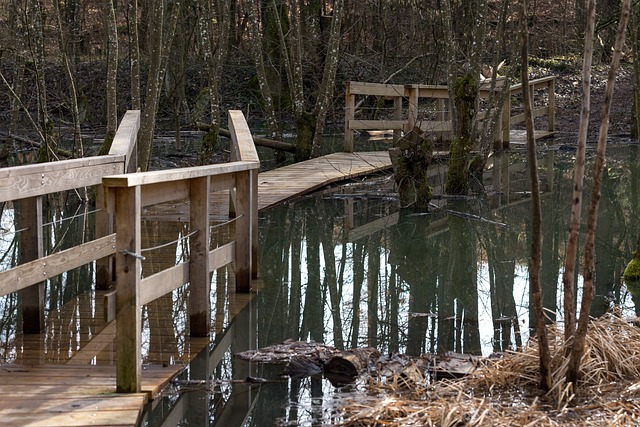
{"x": 364, "y": 291}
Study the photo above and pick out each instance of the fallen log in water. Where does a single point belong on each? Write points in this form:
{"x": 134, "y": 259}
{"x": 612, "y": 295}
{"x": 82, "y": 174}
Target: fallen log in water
{"x": 344, "y": 368}
{"x": 263, "y": 142}
{"x": 308, "y": 358}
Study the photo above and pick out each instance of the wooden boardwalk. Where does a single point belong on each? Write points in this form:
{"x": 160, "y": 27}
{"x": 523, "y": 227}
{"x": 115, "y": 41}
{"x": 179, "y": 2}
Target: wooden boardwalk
{"x": 282, "y": 184}
{"x": 66, "y": 375}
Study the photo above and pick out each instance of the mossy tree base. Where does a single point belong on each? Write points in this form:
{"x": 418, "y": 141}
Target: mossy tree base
{"x": 411, "y": 158}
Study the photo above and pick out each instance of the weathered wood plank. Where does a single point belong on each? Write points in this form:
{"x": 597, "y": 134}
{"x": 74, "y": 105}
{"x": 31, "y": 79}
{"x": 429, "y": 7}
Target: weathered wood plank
{"x": 25, "y": 275}
{"x": 155, "y": 286}
{"x": 241, "y": 137}
{"x": 36, "y": 180}
{"x": 375, "y": 89}
{"x": 155, "y": 177}
{"x": 377, "y": 124}
{"x": 124, "y": 142}
{"x": 128, "y": 271}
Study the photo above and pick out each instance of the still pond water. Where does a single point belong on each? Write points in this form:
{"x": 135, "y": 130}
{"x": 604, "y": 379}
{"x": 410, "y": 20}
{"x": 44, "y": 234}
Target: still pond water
{"x": 348, "y": 268}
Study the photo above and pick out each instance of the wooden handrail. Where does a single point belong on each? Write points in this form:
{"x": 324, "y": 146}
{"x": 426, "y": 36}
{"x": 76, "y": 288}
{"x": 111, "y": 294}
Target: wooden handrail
{"x": 127, "y": 194}
{"x": 26, "y": 186}
{"x": 413, "y": 92}
{"x": 20, "y": 182}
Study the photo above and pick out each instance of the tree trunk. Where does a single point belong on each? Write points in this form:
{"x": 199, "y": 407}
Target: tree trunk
{"x": 160, "y": 46}
{"x": 578, "y": 178}
{"x": 635, "y": 47}
{"x": 214, "y": 57}
{"x": 588, "y": 289}
{"x": 134, "y": 54}
{"x": 112, "y": 75}
{"x": 536, "y": 209}
{"x": 465, "y": 94}
{"x": 331, "y": 60}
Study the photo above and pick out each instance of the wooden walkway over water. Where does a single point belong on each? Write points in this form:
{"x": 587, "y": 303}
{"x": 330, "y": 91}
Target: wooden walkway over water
{"x": 81, "y": 364}
{"x": 69, "y": 372}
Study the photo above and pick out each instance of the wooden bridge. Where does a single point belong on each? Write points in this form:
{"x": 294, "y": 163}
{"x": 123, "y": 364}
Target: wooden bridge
{"x": 427, "y": 107}
{"x": 99, "y": 378}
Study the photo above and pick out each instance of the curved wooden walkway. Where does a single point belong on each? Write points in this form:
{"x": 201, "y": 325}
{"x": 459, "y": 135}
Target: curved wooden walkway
{"x": 58, "y": 384}
{"x": 282, "y": 184}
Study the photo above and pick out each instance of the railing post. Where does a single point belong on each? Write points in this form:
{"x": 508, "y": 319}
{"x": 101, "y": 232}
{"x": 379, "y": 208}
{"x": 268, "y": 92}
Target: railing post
{"x": 104, "y": 227}
{"x": 413, "y": 107}
{"x": 128, "y": 276}
{"x": 551, "y": 112}
{"x": 349, "y": 114}
{"x": 243, "y": 232}
{"x": 31, "y": 248}
{"x": 397, "y": 115}
{"x": 253, "y": 203}
{"x": 506, "y": 121}
{"x": 199, "y": 277}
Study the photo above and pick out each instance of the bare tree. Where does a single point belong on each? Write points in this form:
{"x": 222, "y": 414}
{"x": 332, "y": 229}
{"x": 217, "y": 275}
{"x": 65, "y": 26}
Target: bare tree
{"x": 134, "y": 54}
{"x": 536, "y": 209}
{"x": 112, "y": 75}
{"x": 161, "y": 38}
{"x": 214, "y": 55}
{"x": 65, "y": 53}
{"x": 588, "y": 288}
{"x": 578, "y": 178}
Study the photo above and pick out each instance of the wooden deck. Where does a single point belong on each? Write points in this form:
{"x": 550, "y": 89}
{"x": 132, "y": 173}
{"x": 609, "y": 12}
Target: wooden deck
{"x": 282, "y": 184}
{"x": 66, "y": 376}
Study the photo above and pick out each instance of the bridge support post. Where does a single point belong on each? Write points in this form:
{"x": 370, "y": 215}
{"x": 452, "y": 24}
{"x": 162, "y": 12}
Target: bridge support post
{"x": 551, "y": 112}
{"x": 349, "y": 114}
{"x": 253, "y": 208}
{"x": 104, "y": 227}
{"x": 128, "y": 277}
{"x": 506, "y": 122}
{"x": 199, "y": 276}
{"x": 412, "y": 119}
{"x": 31, "y": 248}
{"x": 243, "y": 232}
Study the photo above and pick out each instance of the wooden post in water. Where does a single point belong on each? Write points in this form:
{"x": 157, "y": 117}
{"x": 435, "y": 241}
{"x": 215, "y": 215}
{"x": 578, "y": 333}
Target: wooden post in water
{"x": 506, "y": 121}
{"x": 31, "y": 248}
{"x": 246, "y": 151}
{"x": 199, "y": 277}
{"x": 128, "y": 277}
{"x": 104, "y": 227}
{"x": 414, "y": 92}
{"x": 397, "y": 115}
{"x": 124, "y": 143}
{"x": 349, "y": 114}
{"x": 243, "y": 232}
{"x": 551, "y": 112}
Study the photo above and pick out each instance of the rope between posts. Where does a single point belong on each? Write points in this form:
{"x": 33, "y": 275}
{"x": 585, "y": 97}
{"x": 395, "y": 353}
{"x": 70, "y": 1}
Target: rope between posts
{"x": 153, "y": 248}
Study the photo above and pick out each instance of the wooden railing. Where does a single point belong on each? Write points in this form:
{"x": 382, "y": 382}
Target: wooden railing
{"x": 406, "y": 118}
{"x": 26, "y": 186}
{"x": 128, "y": 194}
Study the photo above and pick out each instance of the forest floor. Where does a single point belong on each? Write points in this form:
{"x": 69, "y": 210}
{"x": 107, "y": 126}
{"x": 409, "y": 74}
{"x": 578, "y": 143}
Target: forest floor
{"x": 568, "y": 101}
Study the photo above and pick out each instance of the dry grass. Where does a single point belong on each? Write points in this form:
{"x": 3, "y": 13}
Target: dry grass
{"x": 505, "y": 392}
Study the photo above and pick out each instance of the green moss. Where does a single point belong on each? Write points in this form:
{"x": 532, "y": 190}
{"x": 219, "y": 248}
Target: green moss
{"x": 632, "y": 276}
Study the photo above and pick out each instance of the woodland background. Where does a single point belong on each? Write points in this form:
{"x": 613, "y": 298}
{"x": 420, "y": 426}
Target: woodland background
{"x": 70, "y": 69}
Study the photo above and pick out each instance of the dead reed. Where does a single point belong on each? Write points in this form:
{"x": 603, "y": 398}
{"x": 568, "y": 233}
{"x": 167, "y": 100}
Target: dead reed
{"x": 505, "y": 392}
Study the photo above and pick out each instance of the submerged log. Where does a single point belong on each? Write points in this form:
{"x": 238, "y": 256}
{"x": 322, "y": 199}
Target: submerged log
{"x": 262, "y": 142}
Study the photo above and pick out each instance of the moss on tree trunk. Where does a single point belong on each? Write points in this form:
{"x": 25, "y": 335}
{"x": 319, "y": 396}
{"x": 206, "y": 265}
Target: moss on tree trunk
{"x": 465, "y": 93}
